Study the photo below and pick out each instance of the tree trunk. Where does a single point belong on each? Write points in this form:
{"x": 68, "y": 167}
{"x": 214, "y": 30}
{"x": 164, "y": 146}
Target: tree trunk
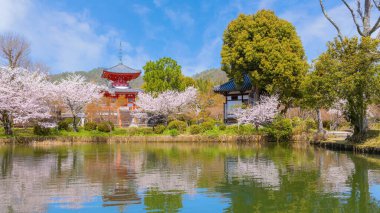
{"x": 75, "y": 123}
{"x": 7, "y": 123}
{"x": 255, "y": 95}
{"x": 319, "y": 119}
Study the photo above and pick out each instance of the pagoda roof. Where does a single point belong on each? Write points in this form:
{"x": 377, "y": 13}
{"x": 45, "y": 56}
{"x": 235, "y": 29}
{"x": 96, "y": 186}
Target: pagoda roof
{"x": 121, "y": 68}
{"x": 114, "y": 90}
{"x": 231, "y": 85}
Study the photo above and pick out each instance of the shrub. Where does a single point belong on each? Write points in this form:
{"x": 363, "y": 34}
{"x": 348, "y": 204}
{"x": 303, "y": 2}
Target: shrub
{"x": 222, "y": 127}
{"x": 195, "y": 129}
{"x": 208, "y": 125}
{"x": 310, "y": 124}
{"x": 174, "y": 132}
{"x": 65, "y": 124}
{"x": 140, "y": 131}
{"x": 178, "y": 125}
{"x": 90, "y": 126}
{"x": 296, "y": 121}
{"x": 159, "y": 129}
{"x": 40, "y": 130}
{"x": 327, "y": 124}
{"x": 246, "y": 129}
{"x": 280, "y": 129}
{"x": 105, "y": 126}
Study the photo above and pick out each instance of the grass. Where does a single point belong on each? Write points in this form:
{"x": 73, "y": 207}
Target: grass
{"x": 141, "y": 131}
{"x": 372, "y": 139}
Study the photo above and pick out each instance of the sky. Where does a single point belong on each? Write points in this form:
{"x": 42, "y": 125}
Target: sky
{"x": 73, "y": 35}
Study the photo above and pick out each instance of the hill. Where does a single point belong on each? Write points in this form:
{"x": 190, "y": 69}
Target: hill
{"x": 216, "y": 76}
{"x": 94, "y": 76}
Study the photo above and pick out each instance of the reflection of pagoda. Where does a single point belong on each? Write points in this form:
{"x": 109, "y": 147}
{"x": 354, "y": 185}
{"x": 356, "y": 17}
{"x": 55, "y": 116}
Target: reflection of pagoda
{"x": 118, "y": 85}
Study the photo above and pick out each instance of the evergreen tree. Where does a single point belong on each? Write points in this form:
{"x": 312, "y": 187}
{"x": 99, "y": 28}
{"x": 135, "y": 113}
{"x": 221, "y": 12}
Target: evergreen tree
{"x": 163, "y": 75}
{"x": 269, "y": 50}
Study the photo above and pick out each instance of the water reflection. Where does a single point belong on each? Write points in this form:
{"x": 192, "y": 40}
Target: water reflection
{"x": 186, "y": 177}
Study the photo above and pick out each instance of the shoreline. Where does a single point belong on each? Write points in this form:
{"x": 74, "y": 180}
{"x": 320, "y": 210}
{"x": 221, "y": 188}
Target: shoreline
{"x": 127, "y": 139}
{"x": 346, "y": 146}
{"x": 238, "y": 139}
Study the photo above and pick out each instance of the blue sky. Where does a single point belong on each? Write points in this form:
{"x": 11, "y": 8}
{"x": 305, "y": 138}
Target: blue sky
{"x": 71, "y": 35}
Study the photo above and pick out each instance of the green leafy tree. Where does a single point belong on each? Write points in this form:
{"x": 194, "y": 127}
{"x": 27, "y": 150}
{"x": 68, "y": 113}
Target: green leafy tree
{"x": 269, "y": 50}
{"x": 164, "y": 74}
{"x": 319, "y": 90}
{"x": 355, "y": 74}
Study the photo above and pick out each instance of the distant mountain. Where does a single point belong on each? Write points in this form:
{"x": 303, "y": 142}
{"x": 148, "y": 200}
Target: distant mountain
{"x": 216, "y": 76}
{"x": 94, "y": 76}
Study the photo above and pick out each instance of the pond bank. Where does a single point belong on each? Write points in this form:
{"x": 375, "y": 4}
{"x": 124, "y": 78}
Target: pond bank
{"x": 342, "y": 145}
{"x": 126, "y": 139}
{"x": 155, "y": 138}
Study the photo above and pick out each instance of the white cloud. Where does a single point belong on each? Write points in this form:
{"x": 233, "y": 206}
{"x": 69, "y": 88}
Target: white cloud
{"x": 208, "y": 54}
{"x": 64, "y": 41}
{"x": 179, "y": 18}
{"x": 141, "y": 9}
{"x": 266, "y": 4}
{"x": 315, "y": 31}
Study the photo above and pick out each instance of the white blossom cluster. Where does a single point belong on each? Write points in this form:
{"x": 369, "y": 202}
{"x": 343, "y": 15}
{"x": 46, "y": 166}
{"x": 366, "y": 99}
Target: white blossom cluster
{"x": 258, "y": 114}
{"x": 76, "y": 93}
{"x": 166, "y": 103}
{"x": 24, "y": 94}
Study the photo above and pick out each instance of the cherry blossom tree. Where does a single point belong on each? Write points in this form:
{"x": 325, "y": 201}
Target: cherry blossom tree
{"x": 24, "y": 97}
{"x": 167, "y": 103}
{"x": 258, "y": 114}
{"x": 75, "y": 93}
{"x": 337, "y": 113}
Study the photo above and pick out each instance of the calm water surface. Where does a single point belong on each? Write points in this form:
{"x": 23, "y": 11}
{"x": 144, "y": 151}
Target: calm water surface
{"x": 186, "y": 178}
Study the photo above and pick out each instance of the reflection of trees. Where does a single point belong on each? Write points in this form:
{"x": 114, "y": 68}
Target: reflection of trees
{"x": 156, "y": 200}
{"x": 266, "y": 179}
{"x": 360, "y": 199}
{"x": 315, "y": 189}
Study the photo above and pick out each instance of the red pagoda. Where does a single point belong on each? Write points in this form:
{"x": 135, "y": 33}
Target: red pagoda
{"x": 118, "y": 83}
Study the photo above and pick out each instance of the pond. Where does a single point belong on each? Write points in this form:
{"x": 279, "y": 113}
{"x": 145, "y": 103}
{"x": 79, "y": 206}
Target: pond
{"x": 186, "y": 177}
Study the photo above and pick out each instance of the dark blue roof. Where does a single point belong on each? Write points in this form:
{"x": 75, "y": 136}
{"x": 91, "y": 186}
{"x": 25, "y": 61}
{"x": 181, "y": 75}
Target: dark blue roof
{"x": 232, "y": 86}
{"x": 121, "y": 68}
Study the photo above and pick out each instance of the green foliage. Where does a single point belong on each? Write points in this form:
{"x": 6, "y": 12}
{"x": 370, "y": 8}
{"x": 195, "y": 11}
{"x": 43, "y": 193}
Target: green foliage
{"x": 302, "y": 126}
{"x": 208, "y": 125}
{"x": 327, "y": 124}
{"x": 40, "y": 130}
{"x": 105, "y": 126}
{"x": 222, "y": 127}
{"x": 352, "y": 66}
{"x": 173, "y": 132}
{"x": 90, "y": 126}
{"x": 140, "y": 131}
{"x": 281, "y": 129}
{"x": 162, "y": 75}
{"x": 65, "y": 124}
{"x": 246, "y": 129}
{"x": 178, "y": 125}
{"x": 195, "y": 129}
{"x": 159, "y": 129}
{"x": 269, "y": 50}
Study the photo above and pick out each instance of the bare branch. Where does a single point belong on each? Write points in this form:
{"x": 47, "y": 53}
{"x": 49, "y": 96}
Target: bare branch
{"x": 340, "y": 36}
{"x": 359, "y": 10}
{"x": 14, "y": 48}
{"x": 375, "y": 27}
{"x": 377, "y": 4}
{"x": 353, "y": 17}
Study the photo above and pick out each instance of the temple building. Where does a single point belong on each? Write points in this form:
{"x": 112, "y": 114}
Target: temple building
{"x": 236, "y": 95}
{"x": 118, "y": 78}
{"x": 119, "y": 95}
